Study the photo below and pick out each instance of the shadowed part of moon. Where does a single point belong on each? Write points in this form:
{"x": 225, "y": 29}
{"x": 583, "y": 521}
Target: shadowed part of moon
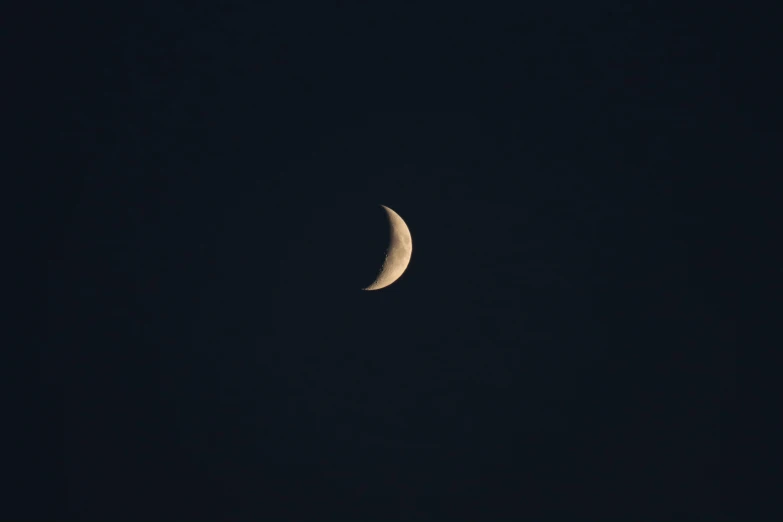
{"x": 398, "y": 253}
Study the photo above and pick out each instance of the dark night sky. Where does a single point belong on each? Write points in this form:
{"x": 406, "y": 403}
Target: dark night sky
{"x": 565, "y": 344}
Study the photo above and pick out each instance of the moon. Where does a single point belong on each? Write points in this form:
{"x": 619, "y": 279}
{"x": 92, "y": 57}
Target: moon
{"x": 398, "y": 253}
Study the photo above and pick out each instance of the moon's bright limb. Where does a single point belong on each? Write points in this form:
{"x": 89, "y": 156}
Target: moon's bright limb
{"x": 398, "y": 253}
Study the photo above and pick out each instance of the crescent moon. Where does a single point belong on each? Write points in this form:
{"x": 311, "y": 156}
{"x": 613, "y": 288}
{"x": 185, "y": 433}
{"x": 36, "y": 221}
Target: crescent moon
{"x": 398, "y": 253}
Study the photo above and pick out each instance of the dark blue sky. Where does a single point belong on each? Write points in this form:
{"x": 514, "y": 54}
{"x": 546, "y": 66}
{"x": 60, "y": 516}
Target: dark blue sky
{"x": 563, "y": 346}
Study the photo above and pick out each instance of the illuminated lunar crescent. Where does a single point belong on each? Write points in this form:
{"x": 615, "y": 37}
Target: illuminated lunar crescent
{"x": 398, "y": 253}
